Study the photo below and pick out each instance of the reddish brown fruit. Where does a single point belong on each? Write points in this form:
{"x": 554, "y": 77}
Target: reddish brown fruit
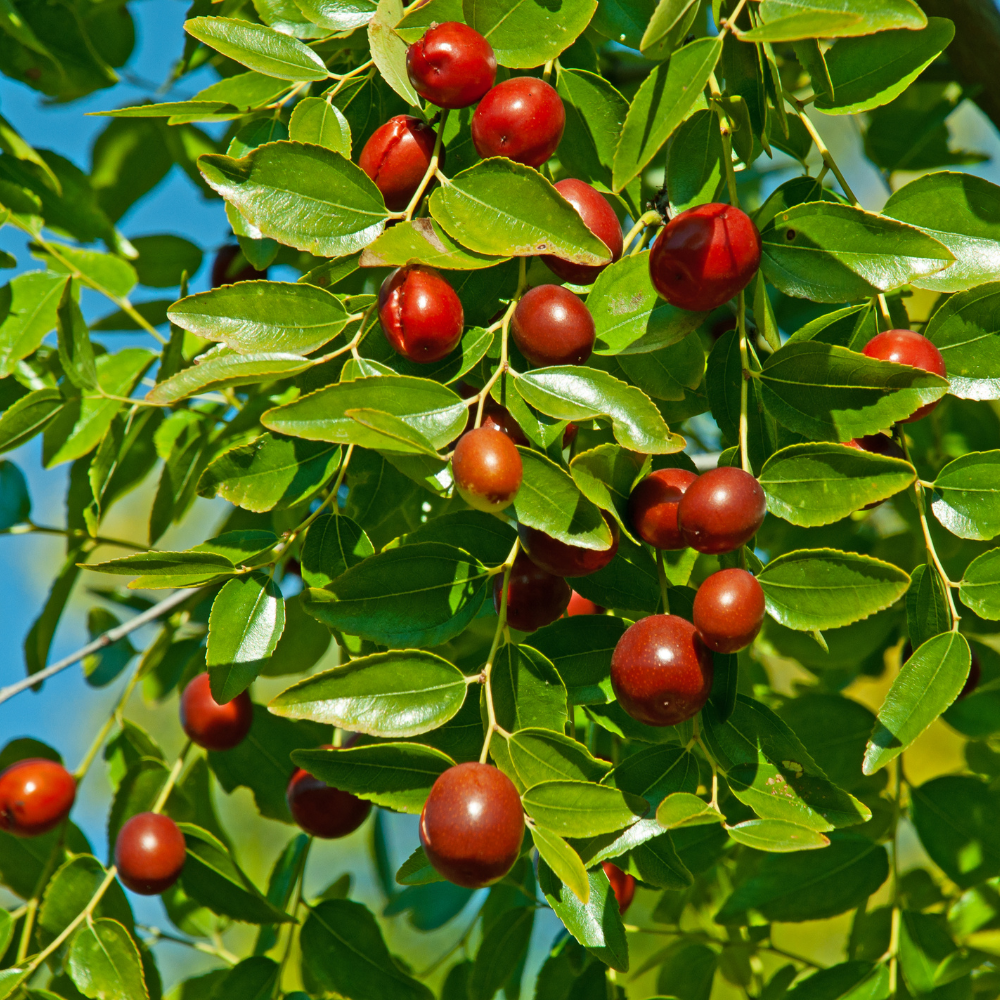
{"x": 420, "y": 313}
{"x": 729, "y": 610}
{"x": 581, "y": 606}
{"x": 652, "y": 507}
{"x": 721, "y": 509}
{"x": 321, "y": 810}
{"x": 599, "y": 217}
{"x": 622, "y": 885}
{"x": 561, "y": 559}
{"x": 452, "y": 66}
{"x": 211, "y": 725}
{"x": 661, "y": 671}
{"x": 534, "y": 597}
{"x": 231, "y": 266}
{"x": 552, "y": 326}
{"x": 150, "y": 853}
{"x": 704, "y": 256}
{"x": 905, "y": 347}
{"x": 522, "y": 119}
{"x": 396, "y": 158}
{"x": 36, "y": 795}
{"x": 487, "y": 469}
{"x": 472, "y": 825}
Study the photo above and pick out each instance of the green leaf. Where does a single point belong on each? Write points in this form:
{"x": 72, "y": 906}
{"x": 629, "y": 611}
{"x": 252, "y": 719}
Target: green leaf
{"x": 422, "y": 241}
{"x": 838, "y": 253}
{"x": 814, "y": 484}
{"x": 505, "y": 209}
{"x": 390, "y": 695}
{"x": 104, "y": 962}
{"x": 188, "y": 111}
{"x": 258, "y": 47}
{"x": 335, "y": 209}
{"x": 334, "y": 543}
{"x": 417, "y": 595}
{"x": 321, "y": 123}
{"x": 787, "y": 20}
{"x": 968, "y": 495}
{"x": 927, "y": 611}
{"x": 966, "y": 332}
{"x": 629, "y": 582}
{"x": 527, "y": 691}
{"x": 573, "y": 392}
{"x": 417, "y": 20}
{"x": 694, "y": 162}
{"x": 543, "y": 755}
{"x": 344, "y": 952}
{"x": 595, "y": 113}
{"x": 564, "y": 862}
{"x": 683, "y": 809}
{"x": 271, "y": 472}
{"x": 874, "y": 70}
{"x": 433, "y": 410}
{"x": 669, "y": 25}
{"x": 661, "y": 104}
{"x": 526, "y": 33}
{"x": 504, "y": 946}
{"x": 110, "y": 275}
{"x": 824, "y": 391}
{"x": 417, "y": 870}
{"x": 655, "y": 773}
{"x": 29, "y": 303}
{"x": 15, "y": 501}
{"x": 980, "y": 586}
{"x": 72, "y": 887}
{"x": 606, "y": 475}
{"x": 162, "y": 570}
{"x": 956, "y": 817}
{"x": 258, "y": 316}
{"x": 486, "y": 537}
{"x": 28, "y": 416}
{"x": 825, "y": 588}
{"x": 338, "y": 15}
{"x": 929, "y": 681}
{"x": 846, "y": 981}
{"x": 777, "y": 836}
{"x": 389, "y": 50}
{"x": 393, "y": 775}
{"x": 252, "y": 979}
{"x": 810, "y": 886}
{"x": 596, "y": 924}
{"x": 581, "y": 808}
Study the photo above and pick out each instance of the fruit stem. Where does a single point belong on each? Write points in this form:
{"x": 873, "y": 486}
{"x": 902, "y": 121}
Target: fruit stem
{"x": 547, "y": 71}
{"x": 884, "y": 308}
{"x": 649, "y": 218}
{"x": 156, "y": 934}
{"x": 491, "y": 717}
{"x": 175, "y": 773}
{"x": 745, "y": 364}
{"x": 729, "y": 23}
{"x": 106, "y": 728}
{"x": 664, "y": 585}
{"x": 353, "y": 344}
{"x": 504, "y": 365}
{"x": 429, "y": 173}
{"x": 828, "y": 159}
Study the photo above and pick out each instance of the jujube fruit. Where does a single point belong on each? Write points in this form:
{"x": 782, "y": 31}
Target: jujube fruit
{"x": 150, "y": 853}
{"x": 652, "y": 507}
{"x": 321, "y": 810}
{"x": 231, "y": 266}
{"x": 705, "y": 256}
{"x": 487, "y": 469}
{"x": 396, "y": 157}
{"x": 472, "y": 825}
{"x": 622, "y": 885}
{"x": 534, "y": 597}
{"x": 562, "y": 559}
{"x": 36, "y": 795}
{"x": 905, "y": 347}
{"x": 452, "y": 65}
{"x": 729, "y": 610}
{"x": 599, "y": 217}
{"x": 420, "y": 313}
{"x": 661, "y": 671}
{"x": 720, "y": 510}
{"x": 552, "y": 326}
{"x": 522, "y": 118}
{"x": 209, "y": 724}
{"x": 579, "y": 605}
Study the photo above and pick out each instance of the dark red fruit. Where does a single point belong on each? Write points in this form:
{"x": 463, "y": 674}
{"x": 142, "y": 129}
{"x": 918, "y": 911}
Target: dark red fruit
{"x": 704, "y": 256}
{"x": 522, "y": 119}
{"x": 487, "y": 469}
{"x": 561, "y": 559}
{"x": 552, "y": 326}
{"x": 661, "y": 671}
{"x": 600, "y": 219}
{"x": 652, "y": 507}
{"x": 231, "y": 266}
{"x": 729, "y": 610}
{"x": 420, "y": 313}
{"x": 581, "y": 606}
{"x": 877, "y": 444}
{"x": 149, "y": 853}
{"x": 622, "y": 885}
{"x": 534, "y": 597}
{"x": 211, "y": 725}
{"x": 452, "y": 66}
{"x": 396, "y": 158}
{"x": 905, "y": 347}
{"x": 36, "y": 795}
{"x": 472, "y": 825}
{"x": 324, "y": 811}
{"x": 720, "y": 510}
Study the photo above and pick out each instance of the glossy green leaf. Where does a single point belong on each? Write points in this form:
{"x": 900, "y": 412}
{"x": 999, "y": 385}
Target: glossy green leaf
{"x": 787, "y": 20}
{"x": 168, "y": 569}
{"x": 252, "y": 979}
{"x": 422, "y": 241}
{"x": 606, "y": 475}
{"x": 71, "y": 888}
{"x": 505, "y": 209}
{"x": 661, "y": 104}
{"x": 104, "y": 962}
{"x": 929, "y": 681}
{"x": 389, "y": 50}
{"x": 581, "y": 808}
{"x": 564, "y": 862}
{"x": 694, "y": 162}
{"x": 683, "y": 809}
{"x": 967, "y": 500}
{"x": 966, "y": 332}
{"x": 927, "y": 611}
{"x": 527, "y": 691}
{"x": 338, "y": 15}
{"x": 258, "y": 316}
{"x": 846, "y": 981}
{"x": 980, "y": 586}
{"x": 813, "y": 484}
{"x": 543, "y": 755}
{"x": 838, "y": 253}
{"x": 334, "y": 543}
{"x": 417, "y": 870}
{"x": 321, "y": 123}
{"x": 669, "y": 25}
{"x": 776, "y": 836}
{"x": 595, "y": 113}
{"x": 417, "y": 20}
{"x": 337, "y": 208}
{"x": 258, "y": 47}
{"x": 656, "y": 773}
{"x": 393, "y": 775}
{"x": 668, "y": 373}
{"x": 30, "y": 302}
